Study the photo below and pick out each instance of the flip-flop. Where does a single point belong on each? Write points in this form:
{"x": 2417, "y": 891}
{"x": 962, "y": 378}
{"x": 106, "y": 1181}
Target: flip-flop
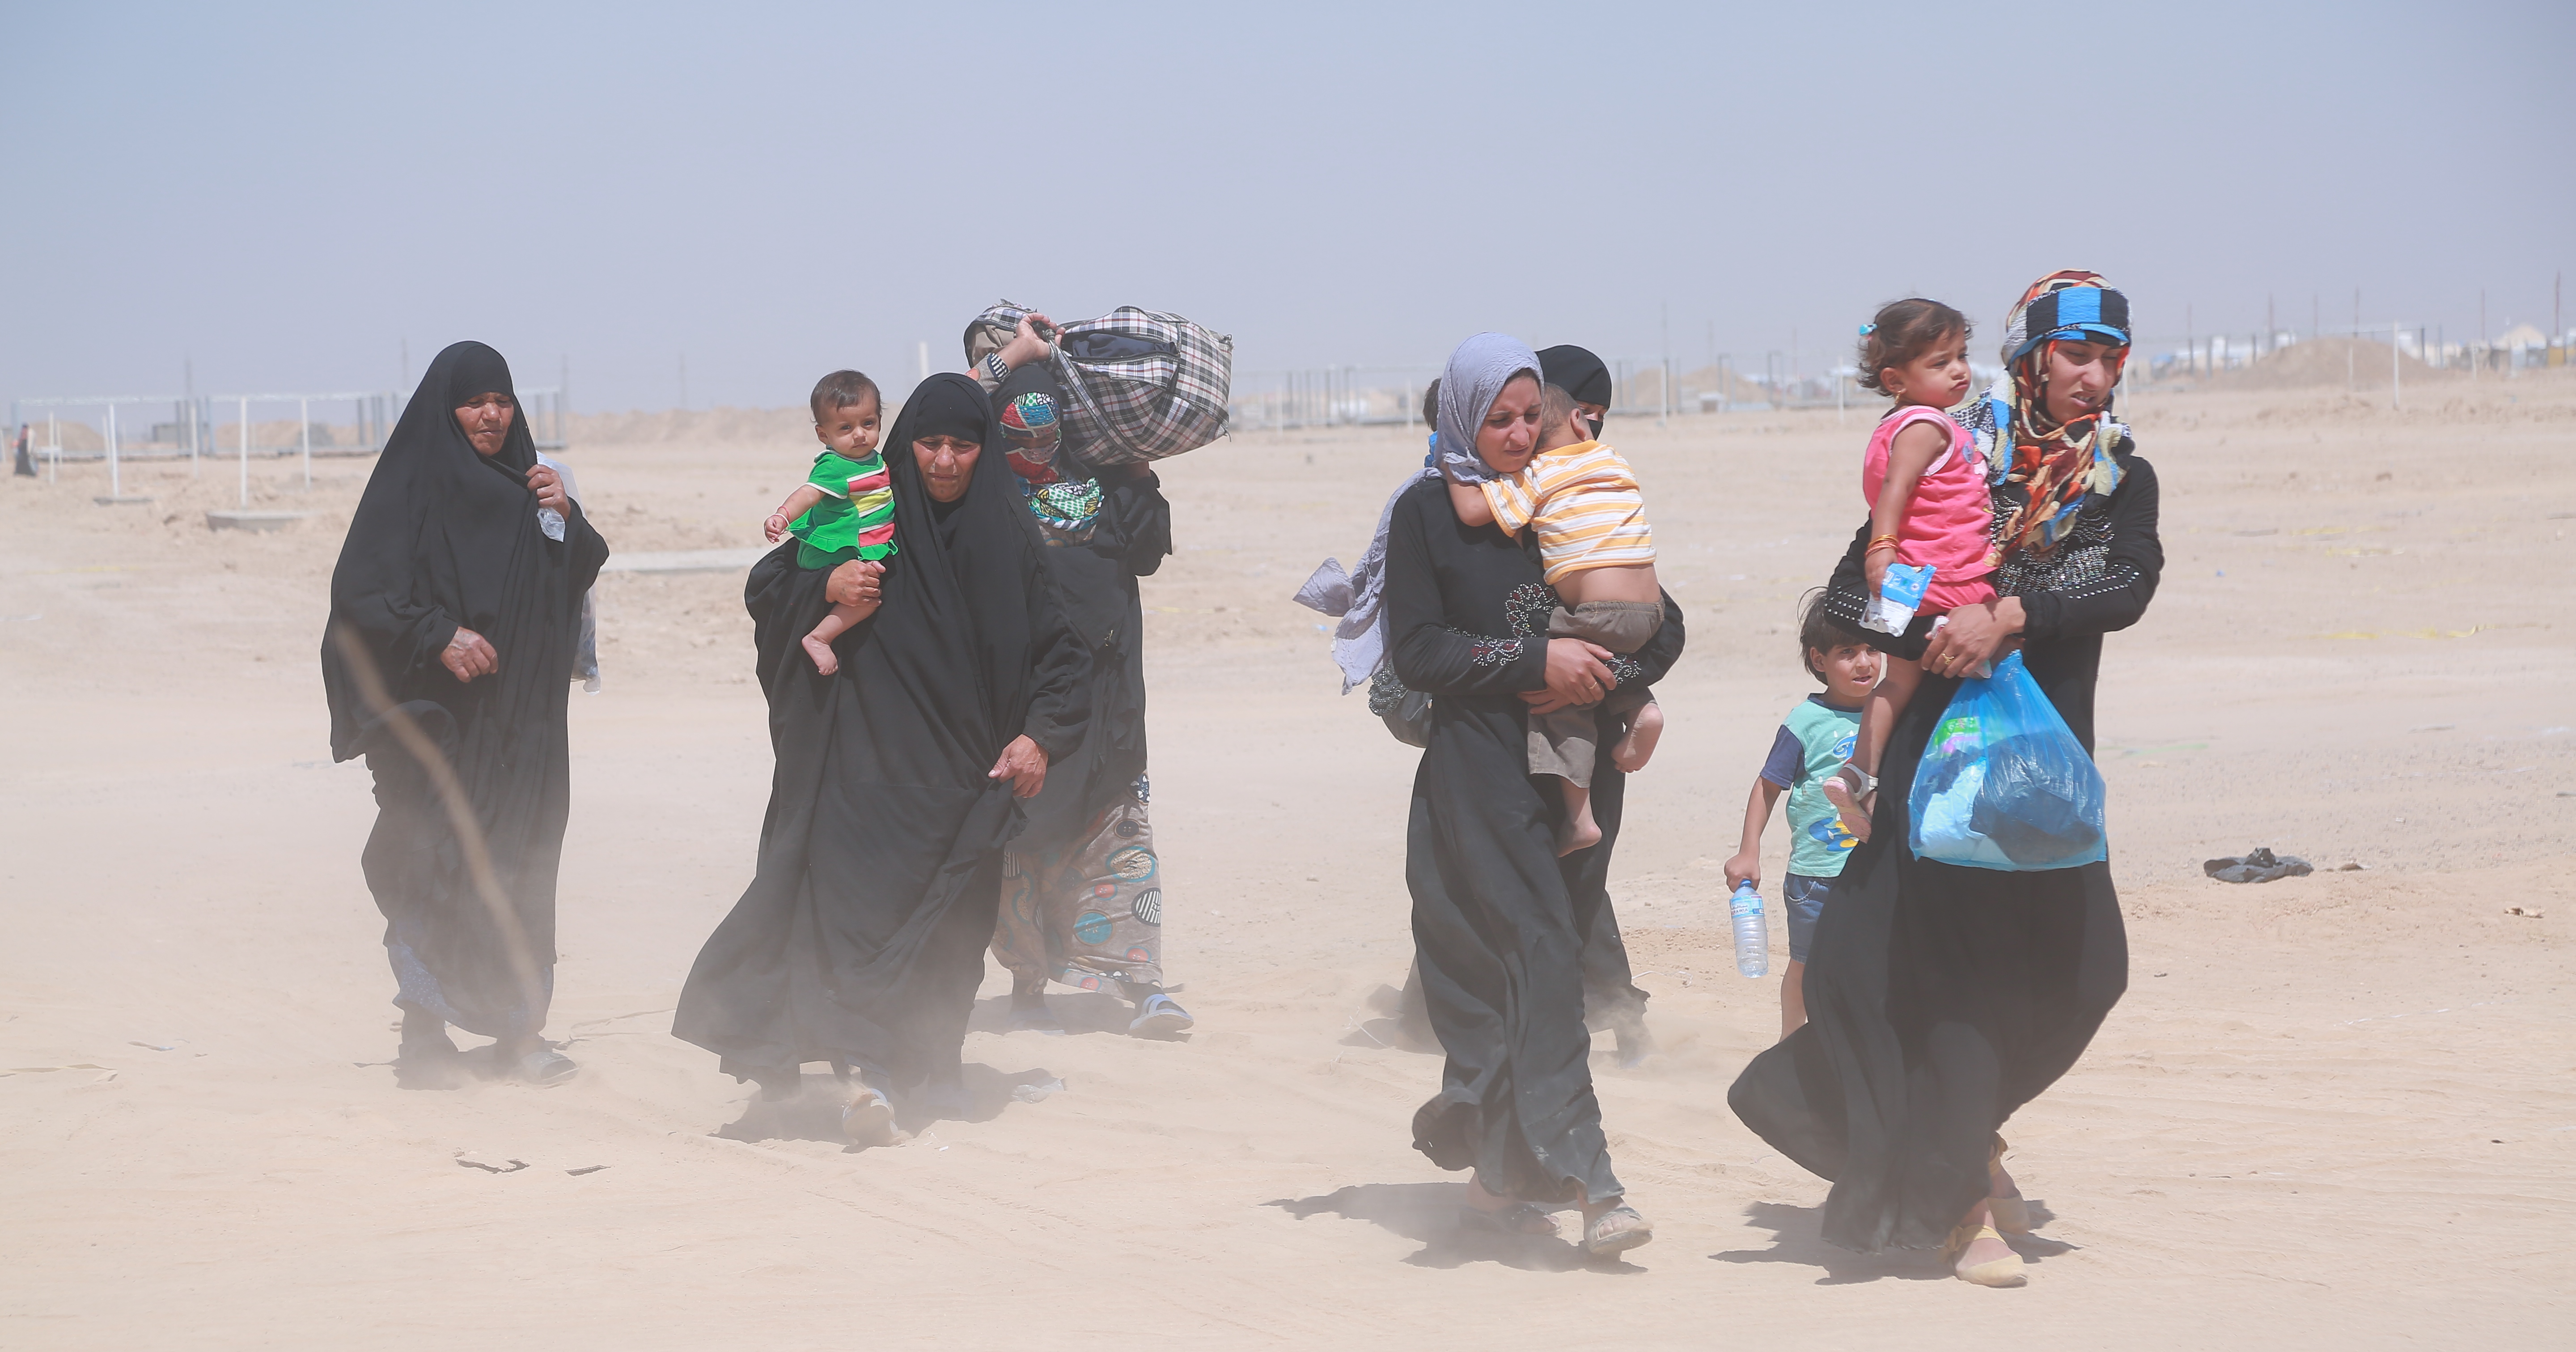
{"x": 1160, "y": 1016}
{"x": 544, "y": 1066}
{"x": 1520, "y": 1218}
{"x": 868, "y": 1118}
{"x": 1602, "y": 1243}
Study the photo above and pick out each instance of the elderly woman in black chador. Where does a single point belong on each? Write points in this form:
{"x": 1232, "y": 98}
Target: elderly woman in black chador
{"x": 455, "y": 611}
{"x": 1941, "y": 999}
{"x": 860, "y": 941}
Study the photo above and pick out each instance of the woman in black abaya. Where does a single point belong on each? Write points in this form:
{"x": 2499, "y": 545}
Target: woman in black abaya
{"x": 1941, "y": 999}
{"x": 1498, "y": 922}
{"x": 860, "y": 941}
{"x": 455, "y": 610}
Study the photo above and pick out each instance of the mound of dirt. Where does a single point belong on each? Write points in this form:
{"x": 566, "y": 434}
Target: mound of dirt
{"x": 2321, "y": 363}
{"x": 716, "y": 425}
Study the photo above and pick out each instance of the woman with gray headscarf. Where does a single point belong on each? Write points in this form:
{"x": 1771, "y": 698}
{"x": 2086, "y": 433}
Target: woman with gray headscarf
{"x": 1496, "y": 921}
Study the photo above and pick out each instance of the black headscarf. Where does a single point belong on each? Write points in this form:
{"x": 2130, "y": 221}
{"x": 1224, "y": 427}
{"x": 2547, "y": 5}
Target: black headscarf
{"x": 946, "y": 408}
{"x": 862, "y": 936}
{"x": 1577, "y": 372}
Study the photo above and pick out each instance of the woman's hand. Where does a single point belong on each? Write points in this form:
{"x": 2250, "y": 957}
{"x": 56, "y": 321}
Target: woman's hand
{"x": 1873, "y": 567}
{"x": 1578, "y": 672}
{"x": 1024, "y": 763}
{"x": 548, "y": 486}
{"x": 1545, "y": 701}
{"x": 1974, "y": 636}
{"x": 855, "y": 584}
{"x": 1026, "y": 346}
{"x": 469, "y": 655}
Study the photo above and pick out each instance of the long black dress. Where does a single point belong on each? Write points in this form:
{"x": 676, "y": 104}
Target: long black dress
{"x": 861, "y": 939}
{"x": 1498, "y": 919}
{"x": 1941, "y": 999}
{"x": 444, "y": 537}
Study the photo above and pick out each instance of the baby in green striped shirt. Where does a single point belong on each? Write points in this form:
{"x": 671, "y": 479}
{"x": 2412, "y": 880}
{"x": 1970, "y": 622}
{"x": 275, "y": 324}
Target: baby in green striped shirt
{"x": 845, "y": 508}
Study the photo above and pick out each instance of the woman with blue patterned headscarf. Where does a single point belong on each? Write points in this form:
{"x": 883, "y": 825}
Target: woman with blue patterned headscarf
{"x": 1941, "y": 999}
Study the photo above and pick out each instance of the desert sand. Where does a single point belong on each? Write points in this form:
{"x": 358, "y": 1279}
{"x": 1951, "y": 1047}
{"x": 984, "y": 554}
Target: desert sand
{"x": 2333, "y": 1111}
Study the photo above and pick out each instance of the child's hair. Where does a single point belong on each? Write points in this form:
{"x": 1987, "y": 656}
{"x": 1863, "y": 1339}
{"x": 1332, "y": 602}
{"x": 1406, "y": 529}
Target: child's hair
{"x": 1903, "y": 331}
{"x": 843, "y": 389}
{"x": 1431, "y": 405}
{"x": 1820, "y": 632}
{"x": 1555, "y": 409}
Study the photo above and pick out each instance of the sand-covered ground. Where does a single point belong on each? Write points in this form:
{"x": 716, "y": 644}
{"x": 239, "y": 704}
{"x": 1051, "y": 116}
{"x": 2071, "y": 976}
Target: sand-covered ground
{"x": 2337, "y": 1111}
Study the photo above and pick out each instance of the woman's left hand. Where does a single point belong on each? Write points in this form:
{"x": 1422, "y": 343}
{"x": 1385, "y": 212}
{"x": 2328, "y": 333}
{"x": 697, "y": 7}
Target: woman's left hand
{"x": 1577, "y": 671}
{"x": 1543, "y": 701}
{"x": 548, "y": 486}
{"x": 1024, "y": 763}
{"x": 1974, "y": 637}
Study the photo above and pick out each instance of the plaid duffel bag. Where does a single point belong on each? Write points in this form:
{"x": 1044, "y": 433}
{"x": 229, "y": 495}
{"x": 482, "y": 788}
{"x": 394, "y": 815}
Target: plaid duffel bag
{"x": 1139, "y": 384}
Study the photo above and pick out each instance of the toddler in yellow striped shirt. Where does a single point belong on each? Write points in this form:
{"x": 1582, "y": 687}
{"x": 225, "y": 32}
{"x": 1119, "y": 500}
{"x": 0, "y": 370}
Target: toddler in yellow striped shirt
{"x": 1582, "y": 500}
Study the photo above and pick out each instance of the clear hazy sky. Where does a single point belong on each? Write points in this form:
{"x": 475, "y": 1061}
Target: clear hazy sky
{"x": 285, "y": 194}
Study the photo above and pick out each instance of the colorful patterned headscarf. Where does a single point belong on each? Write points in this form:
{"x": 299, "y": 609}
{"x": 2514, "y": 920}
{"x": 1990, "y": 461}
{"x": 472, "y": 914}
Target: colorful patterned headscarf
{"x": 2055, "y": 465}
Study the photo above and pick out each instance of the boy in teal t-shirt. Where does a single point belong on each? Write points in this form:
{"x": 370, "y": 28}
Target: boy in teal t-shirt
{"x": 1814, "y": 740}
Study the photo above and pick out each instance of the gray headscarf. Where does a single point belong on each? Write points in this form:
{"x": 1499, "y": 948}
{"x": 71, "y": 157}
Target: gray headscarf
{"x": 1477, "y": 373}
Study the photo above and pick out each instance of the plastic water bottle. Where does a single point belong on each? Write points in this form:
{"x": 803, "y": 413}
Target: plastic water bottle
{"x": 1752, "y": 937}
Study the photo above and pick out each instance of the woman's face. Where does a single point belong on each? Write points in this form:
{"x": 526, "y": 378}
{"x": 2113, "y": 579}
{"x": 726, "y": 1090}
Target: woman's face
{"x": 947, "y": 465}
{"x": 486, "y": 420}
{"x": 2076, "y": 378}
{"x": 1510, "y": 430}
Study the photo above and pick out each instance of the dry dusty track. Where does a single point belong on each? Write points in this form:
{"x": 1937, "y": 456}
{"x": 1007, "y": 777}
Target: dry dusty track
{"x": 2334, "y": 1111}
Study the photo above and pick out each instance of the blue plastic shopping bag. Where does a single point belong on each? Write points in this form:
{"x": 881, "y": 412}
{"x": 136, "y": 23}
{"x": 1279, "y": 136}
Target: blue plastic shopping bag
{"x": 2003, "y": 784}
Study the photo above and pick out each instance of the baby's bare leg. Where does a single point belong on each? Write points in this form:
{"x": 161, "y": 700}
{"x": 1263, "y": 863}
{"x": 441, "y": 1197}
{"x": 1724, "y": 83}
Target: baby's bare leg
{"x": 1877, "y": 714}
{"x": 818, "y": 645}
{"x": 1581, "y": 831}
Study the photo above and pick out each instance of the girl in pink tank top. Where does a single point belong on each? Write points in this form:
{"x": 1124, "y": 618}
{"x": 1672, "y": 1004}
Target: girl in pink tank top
{"x": 1928, "y": 505}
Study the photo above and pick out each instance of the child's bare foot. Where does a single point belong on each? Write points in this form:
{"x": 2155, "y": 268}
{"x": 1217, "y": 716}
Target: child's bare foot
{"x": 1853, "y": 792}
{"x": 1580, "y": 832}
{"x": 1638, "y": 747}
{"x": 825, "y": 660}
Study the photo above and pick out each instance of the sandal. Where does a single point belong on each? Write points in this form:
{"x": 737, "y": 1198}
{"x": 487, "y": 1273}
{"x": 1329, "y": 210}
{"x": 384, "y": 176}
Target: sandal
{"x": 868, "y": 1118}
{"x": 544, "y": 1066}
{"x": 1998, "y": 1272}
{"x": 1160, "y": 1016}
{"x": 1616, "y": 1231}
{"x": 1517, "y": 1218}
{"x": 1853, "y": 793}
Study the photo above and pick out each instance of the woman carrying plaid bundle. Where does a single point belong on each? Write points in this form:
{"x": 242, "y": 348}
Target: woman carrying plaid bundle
{"x": 1082, "y": 885}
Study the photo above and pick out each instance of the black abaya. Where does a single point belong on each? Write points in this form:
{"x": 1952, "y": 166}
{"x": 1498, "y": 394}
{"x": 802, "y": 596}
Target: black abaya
{"x": 1941, "y": 999}
{"x": 444, "y": 538}
{"x": 1499, "y": 920}
{"x": 861, "y": 938}
{"x": 1096, "y": 581}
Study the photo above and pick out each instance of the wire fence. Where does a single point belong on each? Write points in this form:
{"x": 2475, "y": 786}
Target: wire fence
{"x": 118, "y": 428}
